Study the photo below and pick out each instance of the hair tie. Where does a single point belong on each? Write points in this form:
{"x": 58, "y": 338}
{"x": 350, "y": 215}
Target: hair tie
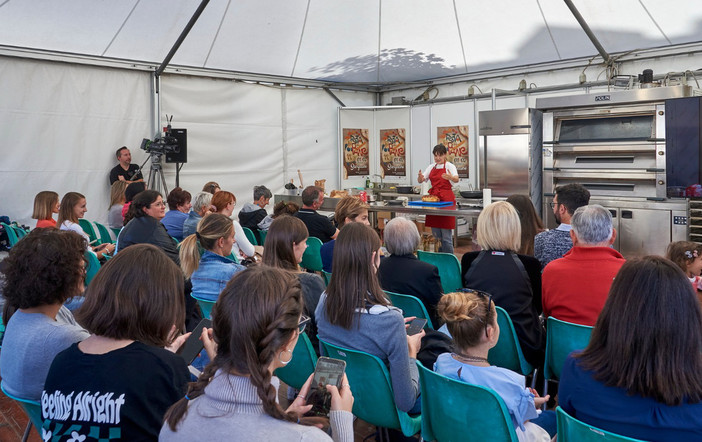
{"x": 197, "y": 235}
{"x": 186, "y": 397}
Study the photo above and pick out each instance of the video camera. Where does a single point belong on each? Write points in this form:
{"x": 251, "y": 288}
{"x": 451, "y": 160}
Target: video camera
{"x": 166, "y": 144}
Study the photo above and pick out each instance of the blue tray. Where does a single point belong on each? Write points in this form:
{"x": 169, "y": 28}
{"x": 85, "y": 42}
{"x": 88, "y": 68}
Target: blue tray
{"x": 430, "y": 203}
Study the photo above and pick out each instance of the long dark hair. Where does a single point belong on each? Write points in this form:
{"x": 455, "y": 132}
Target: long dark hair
{"x": 140, "y": 202}
{"x": 354, "y": 282}
{"x": 530, "y": 221}
{"x": 284, "y": 232}
{"x": 648, "y": 337}
{"x": 250, "y": 332}
{"x": 66, "y": 209}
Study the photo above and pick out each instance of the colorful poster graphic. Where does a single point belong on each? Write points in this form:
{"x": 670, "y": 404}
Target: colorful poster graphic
{"x": 392, "y": 152}
{"x": 455, "y": 138}
{"x": 356, "y": 160}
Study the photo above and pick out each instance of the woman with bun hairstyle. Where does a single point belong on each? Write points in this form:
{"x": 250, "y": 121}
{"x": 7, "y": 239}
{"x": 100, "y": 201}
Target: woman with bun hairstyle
{"x": 471, "y": 319}
{"x": 255, "y": 323}
{"x": 224, "y": 203}
{"x": 46, "y": 203}
{"x": 210, "y": 271}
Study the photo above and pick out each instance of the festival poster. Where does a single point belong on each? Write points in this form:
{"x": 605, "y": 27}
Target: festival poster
{"x": 356, "y": 160}
{"x": 455, "y": 138}
{"x": 392, "y": 152}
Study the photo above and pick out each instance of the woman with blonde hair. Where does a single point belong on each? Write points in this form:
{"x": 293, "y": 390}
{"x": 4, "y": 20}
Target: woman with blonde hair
{"x": 46, "y": 203}
{"x": 223, "y": 203}
{"x": 513, "y": 280}
{"x": 117, "y": 200}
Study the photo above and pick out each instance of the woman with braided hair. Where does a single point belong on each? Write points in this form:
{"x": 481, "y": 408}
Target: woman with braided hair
{"x": 203, "y": 256}
{"x": 256, "y": 323}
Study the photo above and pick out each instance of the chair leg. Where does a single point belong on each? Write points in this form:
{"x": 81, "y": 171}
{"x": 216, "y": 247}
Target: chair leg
{"x": 27, "y": 430}
{"x": 543, "y": 407}
{"x": 533, "y": 379}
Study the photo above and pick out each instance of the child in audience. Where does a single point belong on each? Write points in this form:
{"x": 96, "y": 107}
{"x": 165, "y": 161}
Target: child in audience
{"x": 73, "y": 207}
{"x": 46, "y": 203}
{"x": 688, "y": 256}
{"x": 256, "y": 324}
{"x": 471, "y": 319}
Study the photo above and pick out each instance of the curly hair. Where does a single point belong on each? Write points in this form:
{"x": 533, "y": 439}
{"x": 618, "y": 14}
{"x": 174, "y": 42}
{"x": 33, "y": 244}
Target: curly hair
{"x": 45, "y": 267}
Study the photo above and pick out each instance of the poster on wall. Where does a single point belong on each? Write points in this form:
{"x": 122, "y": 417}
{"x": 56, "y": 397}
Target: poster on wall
{"x": 392, "y": 152}
{"x": 356, "y": 162}
{"x": 455, "y": 138}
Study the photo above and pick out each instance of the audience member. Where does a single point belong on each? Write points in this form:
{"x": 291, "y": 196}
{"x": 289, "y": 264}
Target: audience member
{"x": 530, "y": 221}
{"x": 285, "y": 244}
{"x": 178, "y": 208}
{"x": 201, "y": 205}
{"x": 125, "y": 170}
{"x": 224, "y": 202}
{"x": 641, "y": 374}
{"x": 553, "y": 244}
{"x": 575, "y": 287}
{"x": 252, "y": 214}
{"x": 211, "y": 187}
{"x": 349, "y": 209}
{"x": 318, "y": 225}
{"x": 46, "y": 203}
{"x": 234, "y": 397}
{"x": 354, "y": 313}
{"x": 281, "y": 208}
{"x": 73, "y": 207}
{"x": 41, "y": 272}
{"x": 142, "y": 225}
{"x": 471, "y": 319}
{"x": 117, "y": 200}
{"x": 402, "y": 272}
{"x": 210, "y": 271}
{"x": 688, "y": 256}
{"x": 119, "y": 382}
{"x": 130, "y": 192}
{"x": 513, "y": 280}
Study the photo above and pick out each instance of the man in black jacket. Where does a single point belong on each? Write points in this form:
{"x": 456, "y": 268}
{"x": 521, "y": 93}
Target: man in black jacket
{"x": 253, "y": 213}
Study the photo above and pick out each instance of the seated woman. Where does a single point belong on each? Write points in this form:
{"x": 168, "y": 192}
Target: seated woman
{"x": 73, "y": 207}
{"x": 234, "y": 398}
{"x": 349, "y": 210}
{"x": 282, "y": 208}
{"x": 41, "y": 272}
{"x": 285, "y": 244}
{"x": 117, "y": 200}
{"x": 224, "y": 203}
{"x": 211, "y": 187}
{"x": 143, "y": 225}
{"x": 119, "y": 382}
{"x": 354, "y": 313}
{"x": 132, "y": 190}
{"x": 472, "y": 321}
{"x": 513, "y": 280}
{"x": 530, "y": 221}
{"x": 46, "y": 203}
{"x": 178, "y": 209}
{"x": 641, "y": 374}
{"x": 211, "y": 271}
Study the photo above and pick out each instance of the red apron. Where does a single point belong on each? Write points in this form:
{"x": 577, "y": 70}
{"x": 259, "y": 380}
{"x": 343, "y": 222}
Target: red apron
{"x": 441, "y": 187}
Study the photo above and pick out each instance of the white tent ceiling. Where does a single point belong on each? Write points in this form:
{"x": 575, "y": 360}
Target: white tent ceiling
{"x": 373, "y": 41}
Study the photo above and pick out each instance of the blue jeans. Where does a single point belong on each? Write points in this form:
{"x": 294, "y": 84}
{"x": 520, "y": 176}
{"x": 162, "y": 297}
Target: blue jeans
{"x": 446, "y": 238}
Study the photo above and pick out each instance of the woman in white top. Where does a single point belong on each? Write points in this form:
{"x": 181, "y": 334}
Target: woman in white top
{"x": 73, "y": 207}
{"x": 224, "y": 203}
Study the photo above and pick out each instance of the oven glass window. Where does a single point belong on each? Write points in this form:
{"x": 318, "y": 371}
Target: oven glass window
{"x": 631, "y": 128}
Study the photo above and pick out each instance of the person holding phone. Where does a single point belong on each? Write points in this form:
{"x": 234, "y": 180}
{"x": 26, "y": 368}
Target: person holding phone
{"x": 354, "y": 313}
{"x": 234, "y": 398}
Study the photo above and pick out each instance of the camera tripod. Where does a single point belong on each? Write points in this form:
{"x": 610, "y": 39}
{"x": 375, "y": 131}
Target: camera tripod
{"x": 156, "y": 172}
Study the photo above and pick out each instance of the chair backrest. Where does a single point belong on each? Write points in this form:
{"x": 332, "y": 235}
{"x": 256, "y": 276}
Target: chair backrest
{"x": 20, "y": 232}
{"x": 311, "y": 259}
{"x": 87, "y": 227}
{"x": 116, "y": 232}
{"x": 410, "y": 306}
{"x": 92, "y": 267}
{"x": 104, "y": 233}
{"x": 233, "y": 257}
{"x": 449, "y": 269}
{"x": 11, "y": 234}
{"x": 263, "y": 234}
{"x": 302, "y": 365}
{"x": 31, "y": 408}
{"x": 205, "y": 306}
{"x": 326, "y": 276}
{"x": 372, "y": 391}
{"x": 572, "y": 430}
{"x": 562, "y": 338}
{"x": 453, "y": 410}
{"x": 508, "y": 353}
{"x": 250, "y": 236}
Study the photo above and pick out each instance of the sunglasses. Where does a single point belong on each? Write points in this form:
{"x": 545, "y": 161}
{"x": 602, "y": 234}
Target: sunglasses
{"x": 304, "y": 320}
{"x": 490, "y": 301}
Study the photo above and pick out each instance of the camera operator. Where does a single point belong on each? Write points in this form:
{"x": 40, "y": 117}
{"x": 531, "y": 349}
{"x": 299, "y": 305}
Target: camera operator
{"x": 125, "y": 170}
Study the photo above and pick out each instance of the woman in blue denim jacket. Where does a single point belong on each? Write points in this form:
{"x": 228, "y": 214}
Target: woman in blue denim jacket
{"x": 203, "y": 256}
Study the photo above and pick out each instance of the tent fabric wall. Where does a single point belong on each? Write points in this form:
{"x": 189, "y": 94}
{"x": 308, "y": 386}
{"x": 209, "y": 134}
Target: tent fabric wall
{"x": 61, "y": 125}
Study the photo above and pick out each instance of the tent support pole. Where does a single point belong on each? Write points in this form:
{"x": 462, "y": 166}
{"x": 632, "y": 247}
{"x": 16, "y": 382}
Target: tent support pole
{"x": 341, "y": 103}
{"x": 588, "y": 31}
{"x": 182, "y": 36}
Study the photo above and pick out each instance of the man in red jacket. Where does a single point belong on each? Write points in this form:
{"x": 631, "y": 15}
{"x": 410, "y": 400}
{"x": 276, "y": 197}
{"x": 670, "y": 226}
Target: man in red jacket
{"x": 575, "y": 287}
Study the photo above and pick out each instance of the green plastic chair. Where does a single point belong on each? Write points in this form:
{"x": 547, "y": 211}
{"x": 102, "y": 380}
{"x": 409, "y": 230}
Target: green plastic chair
{"x": 89, "y": 230}
{"x": 562, "y": 338}
{"x": 410, "y": 306}
{"x": 372, "y": 390}
{"x": 232, "y": 257}
{"x": 20, "y": 232}
{"x": 103, "y": 231}
{"x": 92, "y": 266}
{"x": 31, "y": 408}
{"x": 449, "y": 269}
{"x": 205, "y": 306}
{"x": 311, "y": 259}
{"x": 508, "y": 353}
{"x": 11, "y": 234}
{"x": 263, "y": 234}
{"x": 250, "y": 236}
{"x": 453, "y": 410}
{"x": 572, "y": 430}
{"x": 326, "y": 276}
{"x": 116, "y": 232}
{"x": 302, "y": 365}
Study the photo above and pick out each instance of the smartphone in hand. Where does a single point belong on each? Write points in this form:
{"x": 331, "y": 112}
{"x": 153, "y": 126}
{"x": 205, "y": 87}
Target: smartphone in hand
{"x": 416, "y": 326}
{"x": 193, "y": 346}
{"x": 328, "y": 372}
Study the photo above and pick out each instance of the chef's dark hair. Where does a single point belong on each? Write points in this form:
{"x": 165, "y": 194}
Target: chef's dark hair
{"x": 439, "y": 149}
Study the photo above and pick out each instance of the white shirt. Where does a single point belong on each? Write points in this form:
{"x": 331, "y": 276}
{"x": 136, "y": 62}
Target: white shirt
{"x": 450, "y": 168}
{"x": 242, "y": 246}
{"x": 75, "y": 227}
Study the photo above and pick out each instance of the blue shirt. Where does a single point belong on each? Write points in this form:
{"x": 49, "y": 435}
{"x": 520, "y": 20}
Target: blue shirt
{"x": 173, "y": 221}
{"x": 190, "y": 224}
{"x": 212, "y": 275}
{"x": 327, "y": 252}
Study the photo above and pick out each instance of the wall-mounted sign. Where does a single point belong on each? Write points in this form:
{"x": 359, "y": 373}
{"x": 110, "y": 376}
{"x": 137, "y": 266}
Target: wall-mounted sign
{"x": 392, "y": 152}
{"x": 356, "y": 160}
{"x": 455, "y": 138}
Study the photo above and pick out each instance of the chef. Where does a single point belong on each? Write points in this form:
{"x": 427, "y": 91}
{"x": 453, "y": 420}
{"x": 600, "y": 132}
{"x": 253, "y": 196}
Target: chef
{"x": 442, "y": 176}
